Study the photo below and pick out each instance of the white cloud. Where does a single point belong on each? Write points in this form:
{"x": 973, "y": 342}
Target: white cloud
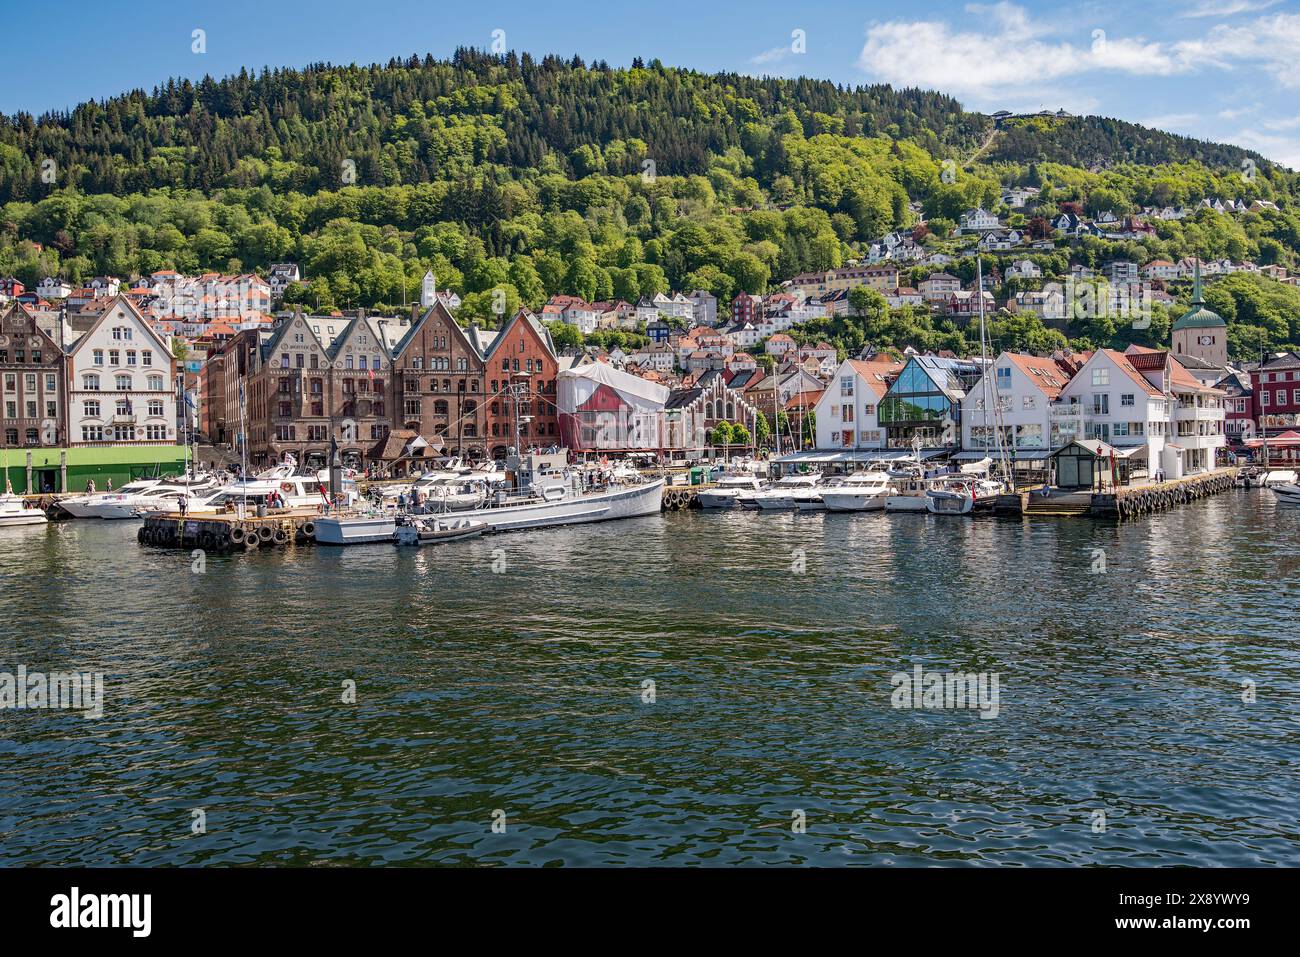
{"x": 1282, "y": 149}
{"x": 1270, "y": 43}
{"x": 774, "y": 55}
{"x": 1012, "y": 54}
{"x": 1227, "y": 8}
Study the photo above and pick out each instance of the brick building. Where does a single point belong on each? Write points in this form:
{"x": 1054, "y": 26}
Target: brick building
{"x": 33, "y": 387}
{"x": 521, "y": 353}
{"x": 439, "y": 379}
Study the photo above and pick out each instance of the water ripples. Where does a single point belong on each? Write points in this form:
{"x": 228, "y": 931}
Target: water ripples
{"x": 770, "y": 640}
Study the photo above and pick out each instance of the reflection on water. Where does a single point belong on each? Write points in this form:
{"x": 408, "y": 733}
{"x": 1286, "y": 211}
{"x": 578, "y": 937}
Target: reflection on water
{"x": 523, "y": 691}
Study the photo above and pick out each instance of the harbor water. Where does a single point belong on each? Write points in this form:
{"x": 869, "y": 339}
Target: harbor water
{"x": 687, "y": 689}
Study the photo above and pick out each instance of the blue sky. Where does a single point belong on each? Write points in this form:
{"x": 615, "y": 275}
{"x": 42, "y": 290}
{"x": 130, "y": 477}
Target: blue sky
{"x": 1226, "y": 70}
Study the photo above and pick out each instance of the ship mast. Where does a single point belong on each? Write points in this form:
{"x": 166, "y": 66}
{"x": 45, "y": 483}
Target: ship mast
{"x": 989, "y": 396}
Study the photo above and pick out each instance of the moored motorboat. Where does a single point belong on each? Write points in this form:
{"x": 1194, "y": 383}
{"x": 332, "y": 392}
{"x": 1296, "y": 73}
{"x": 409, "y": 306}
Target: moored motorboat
{"x": 89, "y": 505}
{"x": 16, "y": 510}
{"x": 907, "y": 494}
{"x": 859, "y": 492}
{"x": 437, "y": 531}
{"x": 728, "y": 491}
{"x": 780, "y": 496}
{"x": 956, "y": 497}
{"x": 165, "y": 496}
{"x": 1288, "y": 493}
{"x": 354, "y": 529}
{"x": 1276, "y": 477}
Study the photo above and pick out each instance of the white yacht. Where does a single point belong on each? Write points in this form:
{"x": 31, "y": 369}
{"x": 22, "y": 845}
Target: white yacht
{"x": 16, "y": 510}
{"x": 782, "y": 494}
{"x": 298, "y": 491}
{"x": 87, "y": 506}
{"x": 728, "y": 491}
{"x": 453, "y": 470}
{"x": 165, "y": 496}
{"x": 859, "y": 492}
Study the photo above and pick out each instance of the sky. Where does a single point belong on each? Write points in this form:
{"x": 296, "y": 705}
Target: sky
{"x": 1223, "y": 70}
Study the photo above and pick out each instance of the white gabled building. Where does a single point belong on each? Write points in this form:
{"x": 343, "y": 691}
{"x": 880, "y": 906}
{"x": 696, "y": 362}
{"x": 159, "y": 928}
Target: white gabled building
{"x": 121, "y": 382}
{"x": 847, "y": 412}
{"x": 1017, "y": 396}
{"x": 977, "y": 220}
{"x": 51, "y": 287}
{"x": 1144, "y": 399}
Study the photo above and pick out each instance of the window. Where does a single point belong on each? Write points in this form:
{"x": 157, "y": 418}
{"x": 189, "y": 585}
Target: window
{"x": 91, "y": 433}
{"x": 90, "y": 382}
{"x": 114, "y": 357}
{"x": 1004, "y": 378}
{"x": 848, "y": 413}
{"x": 90, "y": 408}
{"x": 123, "y": 407}
{"x": 122, "y": 383}
{"x": 1126, "y": 399}
{"x": 98, "y": 356}
{"x": 1281, "y": 396}
{"x": 1101, "y": 403}
{"x": 846, "y": 385}
{"x": 130, "y": 357}
{"x": 155, "y": 383}
{"x": 155, "y": 407}
{"x": 146, "y": 357}
{"x": 1100, "y": 377}
{"x": 1263, "y": 397}
{"x": 1029, "y": 403}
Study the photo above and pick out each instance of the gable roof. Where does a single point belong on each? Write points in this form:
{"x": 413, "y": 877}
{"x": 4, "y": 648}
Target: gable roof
{"x": 523, "y": 315}
{"x": 872, "y": 370}
{"x": 445, "y": 313}
{"x": 135, "y": 313}
{"x": 1049, "y": 377}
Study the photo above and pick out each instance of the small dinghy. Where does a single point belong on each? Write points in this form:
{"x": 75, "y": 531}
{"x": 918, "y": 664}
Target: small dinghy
{"x": 436, "y": 531}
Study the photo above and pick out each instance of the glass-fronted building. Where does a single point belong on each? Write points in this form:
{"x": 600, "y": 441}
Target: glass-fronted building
{"x": 926, "y": 400}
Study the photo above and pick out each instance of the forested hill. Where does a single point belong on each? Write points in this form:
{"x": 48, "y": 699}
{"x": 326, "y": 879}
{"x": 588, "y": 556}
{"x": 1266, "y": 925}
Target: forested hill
{"x": 514, "y": 179}
{"x": 296, "y": 128}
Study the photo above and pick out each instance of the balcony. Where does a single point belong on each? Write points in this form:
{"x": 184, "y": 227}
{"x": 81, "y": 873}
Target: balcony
{"x": 124, "y": 419}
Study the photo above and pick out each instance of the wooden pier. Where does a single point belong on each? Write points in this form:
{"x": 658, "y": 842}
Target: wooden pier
{"x": 226, "y": 531}
{"x": 1132, "y": 501}
{"x": 678, "y": 497}
{"x": 1122, "y": 503}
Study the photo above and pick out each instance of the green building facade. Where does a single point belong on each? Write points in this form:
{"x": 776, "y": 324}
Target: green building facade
{"x": 50, "y": 471}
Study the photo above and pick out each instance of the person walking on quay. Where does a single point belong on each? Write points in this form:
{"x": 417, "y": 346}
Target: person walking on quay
{"x": 183, "y": 503}
{"x": 90, "y": 486}
{"x": 401, "y": 502}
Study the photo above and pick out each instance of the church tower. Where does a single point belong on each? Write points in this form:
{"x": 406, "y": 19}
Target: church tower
{"x": 428, "y": 290}
{"x": 1201, "y": 331}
